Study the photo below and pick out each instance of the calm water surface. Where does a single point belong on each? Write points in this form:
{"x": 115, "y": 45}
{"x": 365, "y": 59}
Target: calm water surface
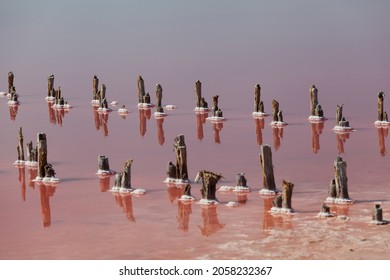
{"x": 229, "y": 48}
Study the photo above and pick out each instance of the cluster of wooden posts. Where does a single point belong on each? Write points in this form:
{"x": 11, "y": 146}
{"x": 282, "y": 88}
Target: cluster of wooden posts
{"x": 177, "y": 174}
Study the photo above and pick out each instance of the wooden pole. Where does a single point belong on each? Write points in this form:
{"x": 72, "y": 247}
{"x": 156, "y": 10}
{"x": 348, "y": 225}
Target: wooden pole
{"x": 267, "y": 168}
{"x": 159, "y": 91}
{"x": 187, "y": 190}
{"x": 102, "y": 93}
{"x": 103, "y": 163}
{"x": 42, "y": 154}
{"x": 181, "y": 157}
{"x": 278, "y": 201}
{"x": 126, "y": 175}
{"x": 381, "y": 97}
{"x": 275, "y": 110}
{"x": 95, "y": 88}
{"x": 332, "y": 191}
{"x": 198, "y": 93}
{"x": 241, "y": 180}
{"x": 209, "y": 184}
{"x": 313, "y": 100}
{"x": 20, "y": 147}
{"x": 257, "y": 98}
{"x": 50, "y": 86}
{"x": 215, "y": 104}
{"x": 287, "y": 188}
{"x": 341, "y": 179}
{"x": 339, "y": 114}
{"x": 377, "y": 213}
{"x": 141, "y": 90}
{"x": 10, "y": 81}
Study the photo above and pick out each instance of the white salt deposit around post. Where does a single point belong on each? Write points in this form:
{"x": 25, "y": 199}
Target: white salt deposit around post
{"x": 51, "y": 99}
{"x": 105, "y": 173}
{"x": 215, "y": 119}
{"x": 316, "y": 119}
{"x": 343, "y": 129}
{"x": 114, "y": 103}
{"x": 259, "y": 115}
{"x": 205, "y": 201}
{"x": 65, "y": 106}
{"x": 278, "y": 123}
{"x": 3, "y": 93}
{"x": 160, "y": 115}
{"x": 145, "y": 105}
{"x": 122, "y": 111}
{"x": 382, "y": 123}
{"x": 170, "y": 107}
{"x": 132, "y": 191}
{"x": 13, "y": 103}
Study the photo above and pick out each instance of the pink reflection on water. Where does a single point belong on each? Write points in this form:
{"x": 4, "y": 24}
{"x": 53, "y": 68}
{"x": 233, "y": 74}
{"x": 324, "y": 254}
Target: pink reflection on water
{"x": 13, "y": 111}
{"x": 211, "y": 224}
{"x": 316, "y": 131}
{"x": 383, "y": 132}
{"x": 259, "y": 123}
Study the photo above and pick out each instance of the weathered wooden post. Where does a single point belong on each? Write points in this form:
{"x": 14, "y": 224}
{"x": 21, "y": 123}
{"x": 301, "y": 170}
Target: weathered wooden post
{"x": 277, "y": 203}
{"x": 287, "y": 189}
{"x": 275, "y": 110}
{"x": 340, "y": 172}
{"x": 171, "y": 171}
{"x": 126, "y": 176}
{"x": 377, "y": 215}
{"x": 257, "y": 99}
{"x": 181, "y": 158}
{"x": 104, "y": 166}
{"x": 102, "y": 93}
{"x": 95, "y": 88}
{"x": 267, "y": 170}
{"x": 241, "y": 180}
{"x": 10, "y": 81}
{"x": 313, "y": 99}
{"x": 215, "y": 104}
{"x": 325, "y": 211}
{"x": 42, "y": 154}
{"x": 159, "y": 91}
{"x": 332, "y": 192}
{"x": 381, "y": 96}
{"x": 209, "y": 186}
{"x": 141, "y": 90}
{"x": 20, "y": 147}
{"x": 50, "y": 87}
{"x": 31, "y": 153}
{"x": 198, "y": 93}
{"x": 339, "y": 114}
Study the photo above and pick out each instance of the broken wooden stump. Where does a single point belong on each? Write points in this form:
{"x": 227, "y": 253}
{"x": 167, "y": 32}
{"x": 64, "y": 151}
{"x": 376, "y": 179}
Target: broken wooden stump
{"x": 141, "y": 89}
{"x": 338, "y": 188}
{"x": 51, "y": 92}
{"x": 20, "y": 148}
{"x": 258, "y": 111}
{"x": 104, "y": 166}
{"x": 13, "y": 98}
{"x": 277, "y": 115}
{"x": 32, "y": 155}
{"x": 316, "y": 112}
{"x": 209, "y": 186}
{"x": 10, "y": 81}
{"x": 181, "y": 158}
{"x": 325, "y": 211}
{"x": 159, "y": 91}
{"x": 215, "y": 104}
{"x": 382, "y": 117}
{"x": 187, "y": 196}
{"x": 95, "y": 89}
{"x": 342, "y": 125}
{"x": 201, "y": 104}
{"x": 377, "y": 215}
{"x": 42, "y": 155}
{"x": 126, "y": 176}
{"x": 282, "y": 202}
{"x": 171, "y": 172}
{"x": 267, "y": 168}
{"x": 241, "y": 183}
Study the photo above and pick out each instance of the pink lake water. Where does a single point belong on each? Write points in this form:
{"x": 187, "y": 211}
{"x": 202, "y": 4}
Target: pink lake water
{"x": 229, "y": 48}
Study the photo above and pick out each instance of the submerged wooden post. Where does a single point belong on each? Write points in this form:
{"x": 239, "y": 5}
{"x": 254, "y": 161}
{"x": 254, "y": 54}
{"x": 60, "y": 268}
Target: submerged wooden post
{"x": 50, "y": 86}
{"x": 241, "y": 180}
{"x": 159, "y": 91}
{"x": 313, "y": 100}
{"x": 267, "y": 168}
{"x": 377, "y": 213}
{"x": 275, "y": 110}
{"x": 20, "y": 147}
{"x": 341, "y": 179}
{"x": 380, "y": 116}
{"x": 198, "y": 93}
{"x": 95, "y": 88}
{"x": 287, "y": 188}
{"x": 126, "y": 175}
{"x": 10, "y": 81}
{"x": 103, "y": 163}
{"x": 141, "y": 90}
{"x": 215, "y": 104}
{"x": 181, "y": 158}
{"x": 42, "y": 154}
{"x": 209, "y": 184}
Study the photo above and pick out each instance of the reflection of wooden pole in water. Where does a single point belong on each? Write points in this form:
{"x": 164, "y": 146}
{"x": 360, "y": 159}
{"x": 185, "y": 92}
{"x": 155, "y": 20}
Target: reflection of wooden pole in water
{"x": 184, "y": 210}
{"x": 104, "y": 123}
{"x": 142, "y": 123}
{"x": 259, "y": 130}
{"x": 42, "y": 154}
{"x": 200, "y": 120}
{"x": 277, "y": 133}
{"x": 127, "y": 206}
{"x": 382, "y": 134}
{"x": 59, "y": 115}
{"x": 96, "y": 117}
{"x": 45, "y": 192}
{"x": 181, "y": 157}
{"x": 52, "y": 116}
{"x": 160, "y": 131}
{"x": 217, "y": 127}
{"x": 174, "y": 192}
{"x": 267, "y": 168}
{"x": 316, "y": 131}
{"x": 22, "y": 180}
{"x": 341, "y": 139}
{"x": 33, "y": 172}
{"x": 13, "y": 111}
{"x": 104, "y": 183}
{"x": 10, "y": 81}
{"x": 211, "y": 223}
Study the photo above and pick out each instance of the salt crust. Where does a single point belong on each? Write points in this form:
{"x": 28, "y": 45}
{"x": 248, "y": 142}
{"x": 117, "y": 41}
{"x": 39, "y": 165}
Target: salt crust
{"x": 278, "y": 124}
{"x": 170, "y": 107}
{"x": 201, "y": 109}
{"x": 123, "y": 111}
{"x": 145, "y": 105}
{"x": 104, "y": 173}
{"x": 104, "y": 110}
{"x": 58, "y": 106}
{"x": 316, "y": 119}
{"x": 234, "y": 189}
{"x": 341, "y": 129}
{"x": 13, "y": 103}
{"x": 159, "y": 115}
{"x": 114, "y": 103}
{"x": 382, "y": 123}
{"x": 267, "y": 192}
{"x": 136, "y": 191}
{"x": 216, "y": 119}
{"x": 187, "y": 198}
{"x": 325, "y": 215}
{"x": 259, "y": 115}
{"x": 277, "y": 210}
{"x": 205, "y": 201}
{"x": 175, "y": 181}
{"x": 338, "y": 200}
{"x": 232, "y": 204}
{"x": 50, "y": 98}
